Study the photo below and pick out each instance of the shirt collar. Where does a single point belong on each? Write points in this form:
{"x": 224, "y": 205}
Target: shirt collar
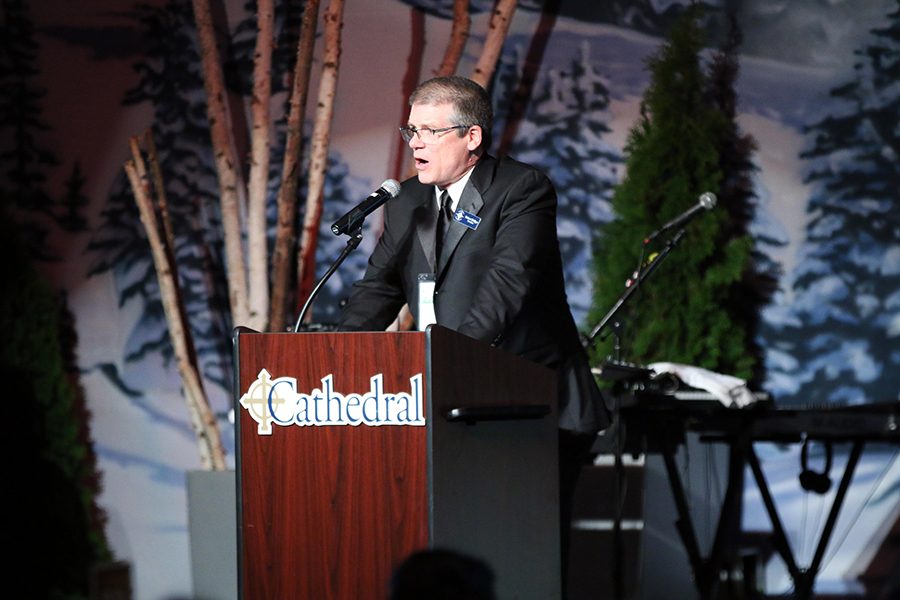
{"x": 455, "y": 189}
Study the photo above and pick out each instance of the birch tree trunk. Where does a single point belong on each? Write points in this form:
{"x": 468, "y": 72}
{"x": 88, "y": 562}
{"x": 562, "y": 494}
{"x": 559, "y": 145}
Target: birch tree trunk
{"x": 533, "y": 60}
{"x": 257, "y": 252}
{"x": 226, "y": 162}
{"x": 283, "y": 253}
{"x": 162, "y": 202}
{"x": 318, "y": 165}
{"x": 212, "y": 454}
{"x": 403, "y": 166}
{"x": 493, "y": 43}
{"x": 459, "y": 35}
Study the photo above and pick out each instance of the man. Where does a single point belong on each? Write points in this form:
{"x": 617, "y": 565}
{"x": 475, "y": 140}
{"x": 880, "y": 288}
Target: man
{"x": 496, "y": 268}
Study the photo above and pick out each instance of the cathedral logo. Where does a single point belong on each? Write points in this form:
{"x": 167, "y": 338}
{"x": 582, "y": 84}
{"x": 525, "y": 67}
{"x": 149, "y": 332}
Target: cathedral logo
{"x": 277, "y": 402}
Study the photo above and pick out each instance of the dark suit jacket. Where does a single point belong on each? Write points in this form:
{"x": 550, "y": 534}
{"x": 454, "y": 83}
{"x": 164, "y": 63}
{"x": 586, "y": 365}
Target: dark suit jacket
{"x": 501, "y": 282}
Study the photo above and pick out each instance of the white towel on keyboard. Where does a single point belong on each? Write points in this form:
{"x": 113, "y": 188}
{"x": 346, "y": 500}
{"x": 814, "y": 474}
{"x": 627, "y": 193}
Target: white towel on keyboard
{"x": 729, "y": 390}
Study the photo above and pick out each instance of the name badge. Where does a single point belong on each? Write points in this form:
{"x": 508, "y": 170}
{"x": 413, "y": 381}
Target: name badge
{"x": 466, "y": 218}
{"x": 426, "y": 301}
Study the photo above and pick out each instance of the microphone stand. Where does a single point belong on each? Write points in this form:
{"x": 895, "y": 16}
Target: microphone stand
{"x": 619, "y": 471}
{"x": 355, "y": 237}
{"x": 643, "y": 274}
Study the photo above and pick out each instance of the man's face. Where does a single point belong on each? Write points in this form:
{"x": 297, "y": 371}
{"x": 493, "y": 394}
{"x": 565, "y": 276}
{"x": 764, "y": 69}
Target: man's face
{"x": 447, "y": 160}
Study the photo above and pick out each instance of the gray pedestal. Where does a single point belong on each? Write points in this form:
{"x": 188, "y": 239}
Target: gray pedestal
{"x": 212, "y": 526}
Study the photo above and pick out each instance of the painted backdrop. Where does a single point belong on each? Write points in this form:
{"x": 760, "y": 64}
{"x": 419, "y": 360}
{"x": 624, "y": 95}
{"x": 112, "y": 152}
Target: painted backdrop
{"x": 814, "y": 90}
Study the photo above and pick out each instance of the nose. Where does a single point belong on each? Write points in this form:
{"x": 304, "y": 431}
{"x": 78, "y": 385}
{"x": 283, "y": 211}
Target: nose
{"x": 415, "y": 142}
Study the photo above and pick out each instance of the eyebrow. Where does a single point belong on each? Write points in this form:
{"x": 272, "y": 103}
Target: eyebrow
{"x": 427, "y": 126}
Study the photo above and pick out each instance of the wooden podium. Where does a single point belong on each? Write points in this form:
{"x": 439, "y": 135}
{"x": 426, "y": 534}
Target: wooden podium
{"x": 327, "y": 511}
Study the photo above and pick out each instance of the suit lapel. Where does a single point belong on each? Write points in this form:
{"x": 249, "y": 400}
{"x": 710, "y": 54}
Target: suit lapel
{"x": 471, "y": 202}
{"x": 425, "y": 218}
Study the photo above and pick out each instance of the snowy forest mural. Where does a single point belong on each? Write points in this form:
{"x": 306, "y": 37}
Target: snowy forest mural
{"x": 819, "y": 91}
{"x": 838, "y": 320}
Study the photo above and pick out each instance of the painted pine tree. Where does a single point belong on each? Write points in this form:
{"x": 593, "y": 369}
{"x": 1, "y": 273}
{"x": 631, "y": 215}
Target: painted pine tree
{"x": 25, "y": 159}
{"x": 562, "y": 133}
{"x": 53, "y": 446}
{"x": 675, "y": 153}
{"x": 73, "y": 202}
{"x": 842, "y": 340}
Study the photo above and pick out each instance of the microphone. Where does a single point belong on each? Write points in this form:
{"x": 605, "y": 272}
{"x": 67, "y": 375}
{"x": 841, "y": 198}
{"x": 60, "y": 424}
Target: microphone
{"x": 354, "y": 218}
{"x": 707, "y": 202}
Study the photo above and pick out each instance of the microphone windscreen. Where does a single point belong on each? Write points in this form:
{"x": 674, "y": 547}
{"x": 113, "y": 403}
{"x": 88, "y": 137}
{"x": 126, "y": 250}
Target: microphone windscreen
{"x": 392, "y": 187}
{"x": 708, "y": 200}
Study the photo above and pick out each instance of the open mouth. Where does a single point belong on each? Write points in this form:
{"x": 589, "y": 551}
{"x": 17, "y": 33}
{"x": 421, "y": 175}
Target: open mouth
{"x": 420, "y": 162}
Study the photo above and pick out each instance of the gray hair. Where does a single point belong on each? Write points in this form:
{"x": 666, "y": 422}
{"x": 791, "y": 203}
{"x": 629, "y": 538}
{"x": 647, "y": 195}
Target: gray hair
{"x": 471, "y": 103}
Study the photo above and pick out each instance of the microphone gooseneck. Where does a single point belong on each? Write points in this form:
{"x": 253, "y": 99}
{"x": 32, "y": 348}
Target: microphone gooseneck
{"x": 351, "y": 224}
{"x": 354, "y": 218}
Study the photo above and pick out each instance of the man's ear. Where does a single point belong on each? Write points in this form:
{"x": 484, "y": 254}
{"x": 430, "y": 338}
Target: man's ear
{"x": 473, "y": 138}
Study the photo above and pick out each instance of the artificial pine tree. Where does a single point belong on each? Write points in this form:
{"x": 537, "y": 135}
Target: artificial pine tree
{"x": 840, "y": 342}
{"x": 57, "y": 520}
{"x": 684, "y": 312}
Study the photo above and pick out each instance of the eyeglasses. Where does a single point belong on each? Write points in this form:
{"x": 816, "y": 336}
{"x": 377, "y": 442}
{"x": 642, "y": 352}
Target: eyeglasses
{"x": 427, "y": 134}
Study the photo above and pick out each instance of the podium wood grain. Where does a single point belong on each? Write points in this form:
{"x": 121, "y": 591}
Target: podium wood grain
{"x": 329, "y": 511}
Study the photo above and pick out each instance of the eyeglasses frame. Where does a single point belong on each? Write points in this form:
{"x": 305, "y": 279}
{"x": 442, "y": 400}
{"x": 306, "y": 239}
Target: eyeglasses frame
{"x": 409, "y": 131}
